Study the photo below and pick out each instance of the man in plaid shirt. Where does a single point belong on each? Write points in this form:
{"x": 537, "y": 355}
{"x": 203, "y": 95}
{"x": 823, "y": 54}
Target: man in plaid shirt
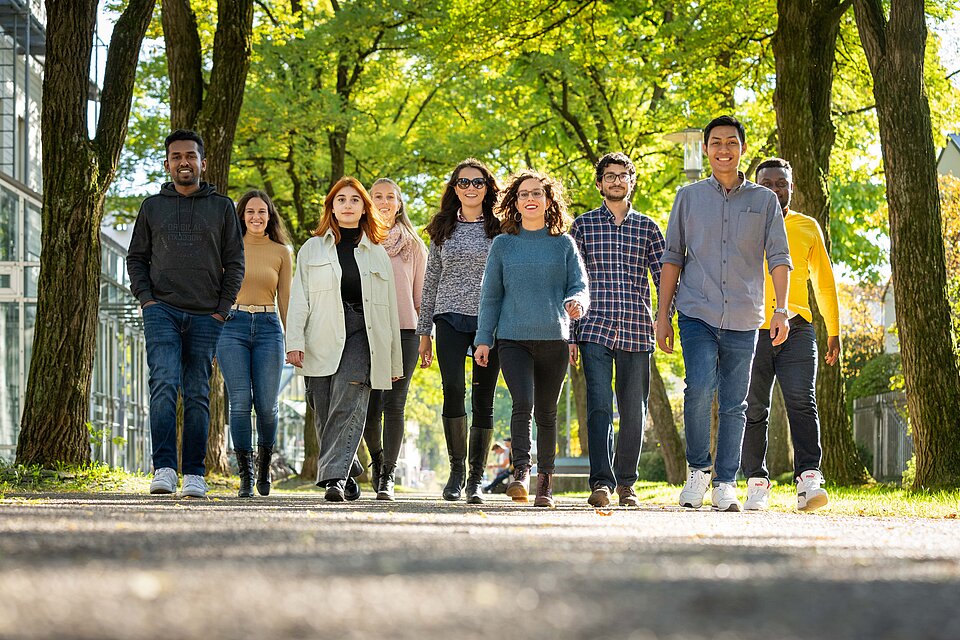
{"x": 619, "y": 246}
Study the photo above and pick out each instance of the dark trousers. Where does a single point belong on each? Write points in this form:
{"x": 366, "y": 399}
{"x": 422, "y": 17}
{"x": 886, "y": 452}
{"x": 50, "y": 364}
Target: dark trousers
{"x": 534, "y": 372}
{"x": 794, "y": 364}
{"x": 390, "y": 404}
{"x": 339, "y": 402}
{"x": 452, "y": 346}
{"x": 611, "y": 466}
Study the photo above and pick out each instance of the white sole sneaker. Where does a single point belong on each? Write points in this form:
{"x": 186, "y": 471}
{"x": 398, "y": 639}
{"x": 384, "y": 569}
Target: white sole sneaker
{"x": 724, "y": 498}
{"x": 818, "y": 499}
{"x": 164, "y": 481}
{"x": 691, "y": 496}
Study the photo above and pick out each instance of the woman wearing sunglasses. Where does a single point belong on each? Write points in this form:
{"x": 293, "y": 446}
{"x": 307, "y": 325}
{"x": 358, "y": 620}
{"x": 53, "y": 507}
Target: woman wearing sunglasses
{"x": 461, "y": 233}
{"x": 409, "y": 258}
{"x": 343, "y": 330}
{"x": 533, "y": 285}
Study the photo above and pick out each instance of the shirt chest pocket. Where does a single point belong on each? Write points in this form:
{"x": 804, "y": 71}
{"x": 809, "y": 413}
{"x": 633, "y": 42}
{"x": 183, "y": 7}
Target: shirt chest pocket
{"x": 379, "y": 287}
{"x": 321, "y": 276}
{"x": 750, "y": 228}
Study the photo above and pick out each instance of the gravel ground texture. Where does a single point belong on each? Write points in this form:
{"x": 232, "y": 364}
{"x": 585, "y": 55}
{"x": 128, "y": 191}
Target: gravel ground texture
{"x": 292, "y": 566}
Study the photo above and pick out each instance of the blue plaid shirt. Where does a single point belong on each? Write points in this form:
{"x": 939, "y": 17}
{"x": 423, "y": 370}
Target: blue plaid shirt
{"x": 617, "y": 261}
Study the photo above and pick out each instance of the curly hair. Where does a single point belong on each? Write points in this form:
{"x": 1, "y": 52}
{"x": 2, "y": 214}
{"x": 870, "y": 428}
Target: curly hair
{"x": 370, "y": 222}
{"x": 556, "y": 217}
{"x": 444, "y": 221}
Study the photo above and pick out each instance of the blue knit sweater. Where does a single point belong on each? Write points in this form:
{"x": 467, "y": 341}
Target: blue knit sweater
{"x": 528, "y": 278}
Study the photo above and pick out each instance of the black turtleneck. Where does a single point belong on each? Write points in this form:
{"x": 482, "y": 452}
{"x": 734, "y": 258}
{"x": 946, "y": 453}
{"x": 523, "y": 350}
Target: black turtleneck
{"x": 350, "y": 279}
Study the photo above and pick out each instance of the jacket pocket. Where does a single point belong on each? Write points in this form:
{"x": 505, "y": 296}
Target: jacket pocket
{"x": 321, "y": 276}
{"x": 379, "y": 287}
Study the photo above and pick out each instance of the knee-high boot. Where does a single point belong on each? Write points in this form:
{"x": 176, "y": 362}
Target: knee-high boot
{"x": 455, "y": 432}
{"x": 479, "y": 446}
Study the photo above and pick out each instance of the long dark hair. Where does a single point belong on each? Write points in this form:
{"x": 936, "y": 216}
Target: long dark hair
{"x": 370, "y": 223}
{"x": 444, "y": 221}
{"x": 556, "y": 217}
{"x": 275, "y": 229}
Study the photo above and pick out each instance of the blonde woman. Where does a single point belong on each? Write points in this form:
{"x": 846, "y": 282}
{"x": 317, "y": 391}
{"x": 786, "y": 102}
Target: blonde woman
{"x": 343, "y": 331}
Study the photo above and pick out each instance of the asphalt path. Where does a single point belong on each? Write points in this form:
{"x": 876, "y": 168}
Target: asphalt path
{"x": 292, "y": 566}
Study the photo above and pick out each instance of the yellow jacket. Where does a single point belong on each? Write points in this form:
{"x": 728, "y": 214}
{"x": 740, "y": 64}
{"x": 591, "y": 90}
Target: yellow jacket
{"x": 810, "y": 262}
{"x": 315, "y": 322}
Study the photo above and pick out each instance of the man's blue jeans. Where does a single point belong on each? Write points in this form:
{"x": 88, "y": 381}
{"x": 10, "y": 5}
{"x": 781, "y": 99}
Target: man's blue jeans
{"x": 717, "y": 362}
{"x": 633, "y": 390}
{"x": 180, "y": 348}
{"x": 251, "y": 355}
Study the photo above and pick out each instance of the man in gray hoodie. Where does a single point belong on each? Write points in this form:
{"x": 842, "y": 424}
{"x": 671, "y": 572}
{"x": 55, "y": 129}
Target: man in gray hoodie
{"x": 186, "y": 266}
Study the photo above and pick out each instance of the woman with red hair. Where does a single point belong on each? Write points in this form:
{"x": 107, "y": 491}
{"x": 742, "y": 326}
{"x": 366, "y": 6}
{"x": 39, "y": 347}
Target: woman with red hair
{"x": 343, "y": 329}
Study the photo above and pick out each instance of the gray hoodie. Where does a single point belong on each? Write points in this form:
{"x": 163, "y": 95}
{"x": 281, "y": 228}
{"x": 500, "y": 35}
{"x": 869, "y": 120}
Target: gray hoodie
{"x": 187, "y": 251}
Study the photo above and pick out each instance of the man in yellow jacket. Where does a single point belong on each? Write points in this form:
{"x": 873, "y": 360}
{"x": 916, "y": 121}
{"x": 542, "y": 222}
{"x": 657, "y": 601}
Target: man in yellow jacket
{"x": 793, "y": 363}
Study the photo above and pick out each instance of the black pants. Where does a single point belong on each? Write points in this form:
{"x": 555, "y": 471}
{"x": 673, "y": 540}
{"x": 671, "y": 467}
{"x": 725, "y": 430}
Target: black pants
{"x": 794, "y": 363}
{"x": 452, "y": 346}
{"x": 390, "y": 404}
{"x": 534, "y": 371}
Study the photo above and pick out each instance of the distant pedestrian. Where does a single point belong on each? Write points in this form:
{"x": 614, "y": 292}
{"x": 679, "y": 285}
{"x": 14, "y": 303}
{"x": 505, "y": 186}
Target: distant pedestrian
{"x": 408, "y": 256}
{"x": 343, "y": 331}
{"x": 533, "y": 285}
{"x": 186, "y": 266}
{"x": 250, "y": 351}
{"x": 461, "y": 233}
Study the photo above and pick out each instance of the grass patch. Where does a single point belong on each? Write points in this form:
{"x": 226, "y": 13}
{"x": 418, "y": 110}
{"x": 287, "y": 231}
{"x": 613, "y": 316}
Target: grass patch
{"x": 96, "y": 477}
{"x": 870, "y": 500}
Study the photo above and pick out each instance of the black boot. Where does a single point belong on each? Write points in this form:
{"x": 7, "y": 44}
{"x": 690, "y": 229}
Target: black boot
{"x": 334, "y": 491}
{"x": 479, "y": 445}
{"x": 385, "y": 488}
{"x": 351, "y": 489}
{"x": 264, "y": 458}
{"x": 245, "y": 469}
{"x": 376, "y": 468}
{"x": 455, "y": 433}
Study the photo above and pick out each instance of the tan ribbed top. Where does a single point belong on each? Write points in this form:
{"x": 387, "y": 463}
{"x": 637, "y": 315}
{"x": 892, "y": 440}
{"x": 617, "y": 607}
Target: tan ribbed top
{"x": 267, "y": 273}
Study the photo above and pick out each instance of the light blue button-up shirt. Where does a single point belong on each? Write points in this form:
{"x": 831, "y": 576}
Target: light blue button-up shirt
{"x": 719, "y": 240}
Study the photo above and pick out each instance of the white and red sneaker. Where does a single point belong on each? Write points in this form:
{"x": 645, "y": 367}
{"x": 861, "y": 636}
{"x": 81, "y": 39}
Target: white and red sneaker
{"x": 758, "y": 494}
{"x": 810, "y": 495}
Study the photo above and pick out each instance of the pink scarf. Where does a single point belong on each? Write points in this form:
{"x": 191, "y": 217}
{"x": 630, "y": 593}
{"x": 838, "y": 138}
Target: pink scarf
{"x": 398, "y": 242}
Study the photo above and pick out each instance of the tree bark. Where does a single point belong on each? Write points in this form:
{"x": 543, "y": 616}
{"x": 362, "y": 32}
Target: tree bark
{"x": 580, "y": 401}
{"x": 76, "y": 174}
{"x": 311, "y": 448}
{"x": 779, "y": 458}
{"x": 213, "y": 111}
{"x": 661, "y": 414}
{"x": 804, "y": 47}
{"x": 895, "y": 53}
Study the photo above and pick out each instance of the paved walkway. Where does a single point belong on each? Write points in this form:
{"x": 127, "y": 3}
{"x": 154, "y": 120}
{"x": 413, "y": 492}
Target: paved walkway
{"x": 292, "y": 566}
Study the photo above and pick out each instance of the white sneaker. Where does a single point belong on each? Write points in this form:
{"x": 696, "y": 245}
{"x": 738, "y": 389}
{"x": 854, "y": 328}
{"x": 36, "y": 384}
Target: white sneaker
{"x": 810, "y": 495}
{"x": 164, "y": 481}
{"x": 724, "y": 497}
{"x": 193, "y": 486}
{"x": 691, "y": 496}
{"x": 758, "y": 494}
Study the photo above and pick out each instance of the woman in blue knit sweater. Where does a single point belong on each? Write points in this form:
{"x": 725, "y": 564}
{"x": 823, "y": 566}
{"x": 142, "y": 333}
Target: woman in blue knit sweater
{"x": 533, "y": 285}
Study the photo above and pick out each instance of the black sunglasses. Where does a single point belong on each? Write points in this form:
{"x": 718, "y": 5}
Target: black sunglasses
{"x": 478, "y": 183}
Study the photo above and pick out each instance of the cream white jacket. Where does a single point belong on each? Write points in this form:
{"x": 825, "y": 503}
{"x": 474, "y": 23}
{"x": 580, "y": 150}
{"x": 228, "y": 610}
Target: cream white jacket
{"x": 315, "y": 322}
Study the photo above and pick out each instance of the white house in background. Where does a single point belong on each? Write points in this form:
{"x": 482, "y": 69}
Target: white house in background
{"x": 948, "y": 164}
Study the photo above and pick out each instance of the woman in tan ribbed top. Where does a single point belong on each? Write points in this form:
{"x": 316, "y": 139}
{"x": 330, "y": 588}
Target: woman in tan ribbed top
{"x": 408, "y": 255}
{"x": 251, "y": 347}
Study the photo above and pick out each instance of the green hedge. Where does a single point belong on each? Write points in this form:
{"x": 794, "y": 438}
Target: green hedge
{"x": 880, "y": 375}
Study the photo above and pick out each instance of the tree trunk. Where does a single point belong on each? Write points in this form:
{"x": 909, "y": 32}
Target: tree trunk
{"x": 311, "y": 448}
{"x": 779, "y": 457}
{"x": 76, "y": 175}
{"x": 580, "y": 400}
{"x": 804, "y": 47}
{"x": 213, "y": 111}
{"x": 661, "y": 414}
{"x": 895, "y": 53}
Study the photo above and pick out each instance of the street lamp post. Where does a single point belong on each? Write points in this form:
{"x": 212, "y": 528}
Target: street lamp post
{"x": 692, "y": 141}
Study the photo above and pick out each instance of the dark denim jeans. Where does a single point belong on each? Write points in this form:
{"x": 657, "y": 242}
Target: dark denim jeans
{"x": 717, "y": 362}
{"x": 794, "y": 364}
{"x": 452, "y": 352}
{"x": 180, "y": 348}
{"x": 390, "y": 404}
{"x": 633, "y": 390}
{"x": 534, "y": 372}
{"x": 250, "y": 353}
{"x": 339, "y": 401}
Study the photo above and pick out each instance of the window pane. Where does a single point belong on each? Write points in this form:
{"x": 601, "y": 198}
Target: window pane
{"x": 32, "y": 235}
{"x": 9, "y": 204}
{"x": 9, "y": 372}
{"x": 30, "y": 277}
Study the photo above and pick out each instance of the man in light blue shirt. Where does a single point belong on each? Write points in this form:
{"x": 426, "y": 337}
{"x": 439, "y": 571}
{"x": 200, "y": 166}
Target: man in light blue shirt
{"x": 719, "y": 231}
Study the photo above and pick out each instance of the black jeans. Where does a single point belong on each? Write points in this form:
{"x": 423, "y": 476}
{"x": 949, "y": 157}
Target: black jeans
{"x": 390, "y": 405}
{"x": 534, "y": 372}
{"x": 794, "y": 363}
{"x": 452, "y": 346}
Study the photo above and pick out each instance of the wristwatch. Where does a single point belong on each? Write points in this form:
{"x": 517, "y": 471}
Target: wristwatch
{"x": 782, "y": 310}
